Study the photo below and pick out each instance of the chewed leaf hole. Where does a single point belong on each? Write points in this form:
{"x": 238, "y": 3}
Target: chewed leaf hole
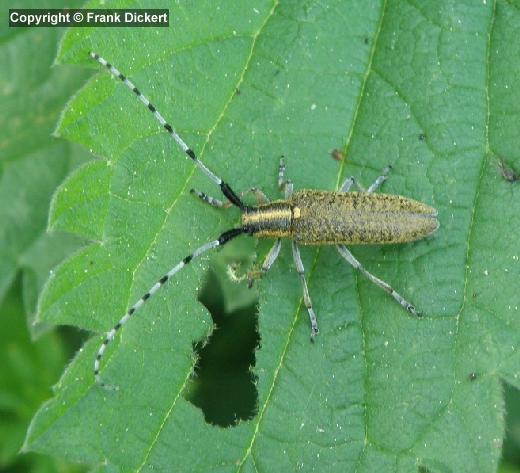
{"x": 223, "y": 385}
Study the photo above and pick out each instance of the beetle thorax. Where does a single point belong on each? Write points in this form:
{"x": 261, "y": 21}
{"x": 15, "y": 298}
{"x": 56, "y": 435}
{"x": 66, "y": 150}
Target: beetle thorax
{"x": 273, "y": 220}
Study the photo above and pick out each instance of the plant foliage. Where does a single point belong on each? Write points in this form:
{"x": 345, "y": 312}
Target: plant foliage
{"x": 430, "y": 87}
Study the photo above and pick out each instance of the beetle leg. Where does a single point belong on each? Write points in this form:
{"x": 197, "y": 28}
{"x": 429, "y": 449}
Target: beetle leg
{"x": 288, "y": 189}
{"x": 382, "y": 178}
{"x": 284, "y": 184}
{"x": 261, "y": 198}
{"x": 266, "y": 265}
{"x": 306, "y": 297}
{"x": 343, "y": 251}
{"x": 281, "y": 174}
{"x": 347, "y": 184}
{"x": 350, "y": 181}
{"x": 208, "y": 199}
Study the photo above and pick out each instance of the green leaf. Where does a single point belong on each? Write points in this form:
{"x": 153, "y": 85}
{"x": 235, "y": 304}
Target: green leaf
{"x": 32, "y": 162}
{"x": 429, "y": 87}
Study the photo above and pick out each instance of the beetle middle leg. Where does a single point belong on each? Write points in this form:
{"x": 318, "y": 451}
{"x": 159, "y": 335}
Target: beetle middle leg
{"x": 382, "y": 178}
{"x": 287, "y": 186}
{"x": 350, "y": 181}
{"x": 306, "y": 297}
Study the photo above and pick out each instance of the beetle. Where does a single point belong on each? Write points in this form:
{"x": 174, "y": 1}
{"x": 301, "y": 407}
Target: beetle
{"x": 306, "y": 217}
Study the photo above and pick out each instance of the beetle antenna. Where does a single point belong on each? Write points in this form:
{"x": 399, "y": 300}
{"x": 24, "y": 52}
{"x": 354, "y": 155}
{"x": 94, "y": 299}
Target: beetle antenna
{"x": 221, "y": 240}
{"x": 224, "y": 187}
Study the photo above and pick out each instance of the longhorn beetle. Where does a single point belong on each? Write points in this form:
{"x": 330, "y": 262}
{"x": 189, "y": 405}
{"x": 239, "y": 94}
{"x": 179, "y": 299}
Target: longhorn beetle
{"x": 307, "y": 217}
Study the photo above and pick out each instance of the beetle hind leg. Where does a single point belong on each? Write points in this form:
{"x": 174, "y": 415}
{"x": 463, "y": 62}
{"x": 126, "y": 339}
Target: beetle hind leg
{"x": 343, "y": 251}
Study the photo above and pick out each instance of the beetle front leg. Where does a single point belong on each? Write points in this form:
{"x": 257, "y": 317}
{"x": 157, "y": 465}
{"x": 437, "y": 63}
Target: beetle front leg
{"x": 253, "y": 275}
{"x": 260, "y": 197}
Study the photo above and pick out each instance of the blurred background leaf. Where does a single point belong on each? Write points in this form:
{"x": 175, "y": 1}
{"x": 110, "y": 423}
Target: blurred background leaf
{"x": 28, "y": 370}
{"x": 32, "y": 164}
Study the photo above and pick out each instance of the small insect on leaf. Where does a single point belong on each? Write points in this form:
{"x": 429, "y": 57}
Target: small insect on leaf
{"x": 507, "y": 172}
{"x": 337, "y": 154}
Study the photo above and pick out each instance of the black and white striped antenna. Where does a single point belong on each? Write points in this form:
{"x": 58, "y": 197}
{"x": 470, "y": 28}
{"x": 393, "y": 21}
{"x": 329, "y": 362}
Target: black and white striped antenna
{"x": 221, "y": 240}
{"x": 226, "y": 189}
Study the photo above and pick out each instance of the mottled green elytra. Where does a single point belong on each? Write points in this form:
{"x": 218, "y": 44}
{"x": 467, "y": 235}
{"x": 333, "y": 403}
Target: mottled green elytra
{"x": 306, "y": 217}
{"x": 312, "y": 217}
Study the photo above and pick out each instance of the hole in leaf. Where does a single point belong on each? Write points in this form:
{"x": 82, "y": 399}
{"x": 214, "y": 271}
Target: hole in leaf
{"x": 511, "y": 450}
{"x": 223, "y": 386}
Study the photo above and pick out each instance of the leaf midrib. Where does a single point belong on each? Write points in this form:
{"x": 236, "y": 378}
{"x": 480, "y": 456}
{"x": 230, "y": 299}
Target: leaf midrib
{"x": 348, "y": 142}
